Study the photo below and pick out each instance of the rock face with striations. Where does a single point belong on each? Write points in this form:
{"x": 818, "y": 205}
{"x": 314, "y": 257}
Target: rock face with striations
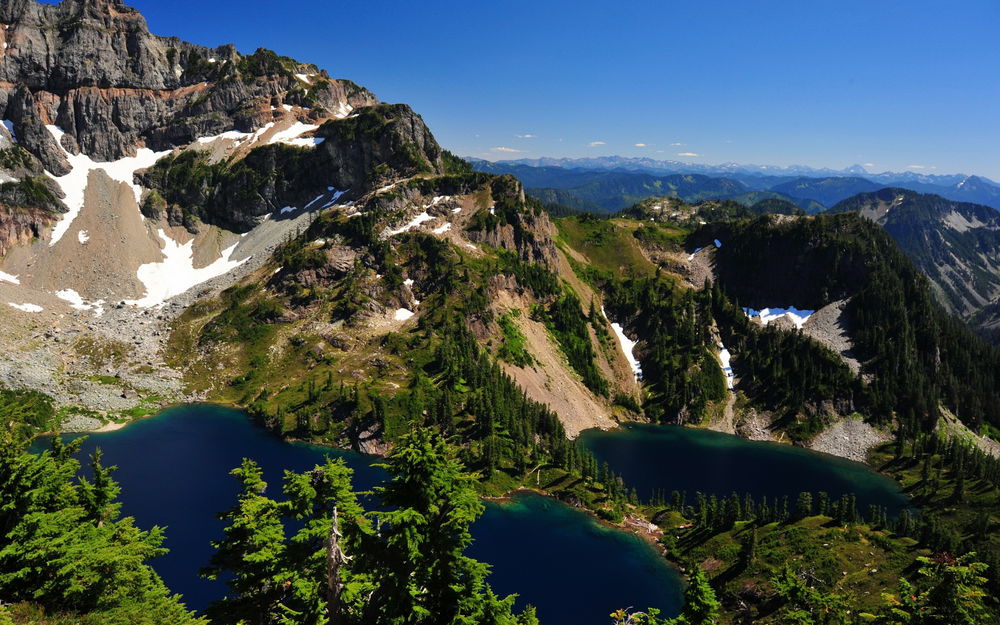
{"x": 92, "y": 68}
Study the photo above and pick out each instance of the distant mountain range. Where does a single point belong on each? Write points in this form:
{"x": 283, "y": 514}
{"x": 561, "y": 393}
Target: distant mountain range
{"x": 611, "y": 183}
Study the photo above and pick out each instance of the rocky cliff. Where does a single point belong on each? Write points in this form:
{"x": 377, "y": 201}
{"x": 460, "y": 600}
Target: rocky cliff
{"x": 92, "y": 68}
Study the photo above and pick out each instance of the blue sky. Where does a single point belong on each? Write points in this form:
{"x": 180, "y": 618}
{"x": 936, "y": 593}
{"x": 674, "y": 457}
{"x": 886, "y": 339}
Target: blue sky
{"x": 897, "y": 85}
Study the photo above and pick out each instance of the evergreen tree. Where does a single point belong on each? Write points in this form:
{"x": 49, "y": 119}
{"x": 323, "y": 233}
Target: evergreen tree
{"x": 948, "y": 591}
{"x": 418, "y": 569}
{"x": 64, "y": 547}
{"x": 251, "y": 553}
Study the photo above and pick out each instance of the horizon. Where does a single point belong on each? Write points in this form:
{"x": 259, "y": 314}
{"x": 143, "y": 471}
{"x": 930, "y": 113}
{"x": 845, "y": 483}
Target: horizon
{"x": 785, "y": 84}
{"x": 777, "y": 168}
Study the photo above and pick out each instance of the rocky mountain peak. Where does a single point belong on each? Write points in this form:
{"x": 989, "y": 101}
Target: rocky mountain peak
{"x": 92, "y": 68}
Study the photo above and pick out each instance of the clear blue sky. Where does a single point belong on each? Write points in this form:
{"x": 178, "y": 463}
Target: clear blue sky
{"x": 895, "y": 84}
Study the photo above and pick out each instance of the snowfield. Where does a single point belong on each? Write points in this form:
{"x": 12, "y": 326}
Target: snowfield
{"x": 176, "y": 273}
{"x": 6, "y": 277}
{"x": 793, "y": 314}
{"x": 403, "y": 314}
{"x": 74, "y": 183}
{"x": 627, "y": 345}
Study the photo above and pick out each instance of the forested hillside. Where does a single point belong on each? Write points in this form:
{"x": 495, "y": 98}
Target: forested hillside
{"x": 919, "y": 356}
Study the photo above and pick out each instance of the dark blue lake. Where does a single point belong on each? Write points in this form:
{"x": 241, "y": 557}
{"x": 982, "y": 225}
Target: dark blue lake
{"x": 174, "y": 472}
{"x": 650, "y": 458}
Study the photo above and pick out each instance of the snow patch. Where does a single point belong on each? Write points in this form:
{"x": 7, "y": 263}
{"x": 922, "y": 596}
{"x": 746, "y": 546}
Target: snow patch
{"x": 233, "y": 135}
{"x": 457, "y": 210}
{"x": 767, "y": 315}
{"x": 403, "y": 314}
{"x": 176, "y": 273}
{"x": 74, "y": 183}
{"x": 627, "y": 345}
{"x": 77, "y": 302}
{"x": 290, "y": 136}
{"x": 304, "y": 78}
{"x": 6, "y": 277}
{"x": 413, "y": 223}
{"x": 9, "y": 125}
{"x": 82, "y": 236}
{"x": 727, "y": 367}
{"x": 442, "y": 229}
{"x": 408, "y": 282}
{"x": 343, "y": 110}
{"x": 717, "y": 243}
{"x": 32, "y": 308}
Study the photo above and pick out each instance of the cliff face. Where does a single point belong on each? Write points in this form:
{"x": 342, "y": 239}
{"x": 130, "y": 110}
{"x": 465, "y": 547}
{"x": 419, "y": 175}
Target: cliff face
{"x": 19, "y": 225}
{"x": 378, "y": 145}
{"x": 92, "y": 68}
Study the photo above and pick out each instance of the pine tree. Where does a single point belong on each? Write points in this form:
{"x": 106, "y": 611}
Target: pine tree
{"x": 803, "y": 506}
{"x": 418, "y": 570}
{"x": 701, "y": 607}
{"x": 251, "y": 552}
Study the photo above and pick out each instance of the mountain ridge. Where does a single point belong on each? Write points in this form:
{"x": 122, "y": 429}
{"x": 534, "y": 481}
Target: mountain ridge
{"x": 959, "y": 187}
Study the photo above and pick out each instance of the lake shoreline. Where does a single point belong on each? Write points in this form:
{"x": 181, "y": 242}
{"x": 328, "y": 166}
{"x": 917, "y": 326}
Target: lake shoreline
{"x": 648, "y": 531}
{"x": 541, "y": 550}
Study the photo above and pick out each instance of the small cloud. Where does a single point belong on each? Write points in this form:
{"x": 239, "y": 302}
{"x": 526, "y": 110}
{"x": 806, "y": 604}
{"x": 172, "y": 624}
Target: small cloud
{"x": 916, "y": 166}
{"x": 868, "y": 164}
{"x": 527, "y": 135}
{"x": 640, "y": 145}
{"x": 686, "y": 154}
{"x": 594, "y": 144}
{"x": 678, "y": 144}
{"x": 506, "y": 150}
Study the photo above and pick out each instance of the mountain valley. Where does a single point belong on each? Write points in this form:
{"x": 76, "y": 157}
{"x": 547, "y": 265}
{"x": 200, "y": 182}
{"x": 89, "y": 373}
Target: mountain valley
{"x": 182, "y": 225}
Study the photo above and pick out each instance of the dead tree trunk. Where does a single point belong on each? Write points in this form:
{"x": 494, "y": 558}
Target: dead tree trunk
{"x": 335, "y": 559}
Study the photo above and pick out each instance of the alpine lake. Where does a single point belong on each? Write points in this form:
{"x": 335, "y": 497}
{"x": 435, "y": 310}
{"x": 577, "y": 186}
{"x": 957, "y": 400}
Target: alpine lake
{"x": 174, "y": 472}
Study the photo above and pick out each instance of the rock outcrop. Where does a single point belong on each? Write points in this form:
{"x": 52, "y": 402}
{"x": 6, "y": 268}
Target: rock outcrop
{"x": 19, "y": 226}
{"x": 513, "y": 224}
{"x": 378, "y": 144}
